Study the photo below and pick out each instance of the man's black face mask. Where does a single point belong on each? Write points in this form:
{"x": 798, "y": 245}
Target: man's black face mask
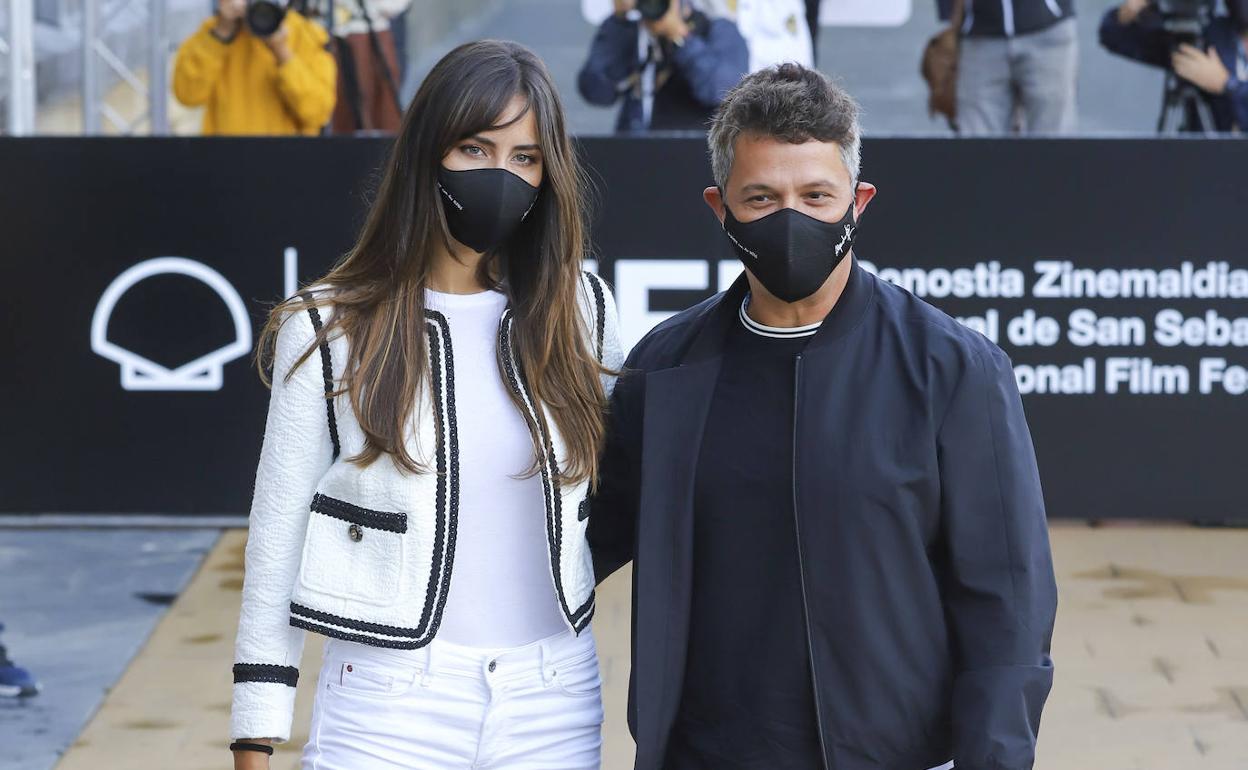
{"x": 790, "y": 253}
{"x": 484, "y": 206}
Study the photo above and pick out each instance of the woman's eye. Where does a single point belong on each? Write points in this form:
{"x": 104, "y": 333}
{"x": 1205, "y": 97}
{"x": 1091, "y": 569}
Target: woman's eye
{"x": 525, "y": 159}
{"x": 472, "y": 149}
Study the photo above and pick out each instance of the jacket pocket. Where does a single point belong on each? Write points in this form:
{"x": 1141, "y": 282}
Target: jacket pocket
{"x": 353, "y": 552}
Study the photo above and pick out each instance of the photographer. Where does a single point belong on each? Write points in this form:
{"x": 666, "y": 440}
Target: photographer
{"x": 1136, "y": 30}
{"x": 282, "y": 83}
{"x": 671, "y": 67}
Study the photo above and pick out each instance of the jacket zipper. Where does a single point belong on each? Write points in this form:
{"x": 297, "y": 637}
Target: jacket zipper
{"x": 801, "y": 569}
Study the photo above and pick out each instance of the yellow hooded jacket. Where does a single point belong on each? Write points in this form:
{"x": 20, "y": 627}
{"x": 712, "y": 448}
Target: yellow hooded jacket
{"x": 244, "y": 89}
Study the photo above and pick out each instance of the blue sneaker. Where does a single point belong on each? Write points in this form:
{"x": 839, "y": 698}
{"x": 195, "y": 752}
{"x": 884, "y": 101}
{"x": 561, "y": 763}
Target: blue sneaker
{"x": 15, "y": 682}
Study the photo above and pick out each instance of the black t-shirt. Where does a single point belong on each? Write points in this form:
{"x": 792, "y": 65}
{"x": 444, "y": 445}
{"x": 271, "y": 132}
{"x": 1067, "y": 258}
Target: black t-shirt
{"x": 748, "y": 701}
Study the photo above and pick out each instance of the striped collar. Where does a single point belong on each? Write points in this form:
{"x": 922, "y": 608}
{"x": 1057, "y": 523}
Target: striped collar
{"x": 775, "y": 332}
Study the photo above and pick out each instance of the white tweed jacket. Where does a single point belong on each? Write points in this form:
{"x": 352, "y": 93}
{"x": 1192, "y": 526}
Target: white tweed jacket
{"x": 366, "y": 554}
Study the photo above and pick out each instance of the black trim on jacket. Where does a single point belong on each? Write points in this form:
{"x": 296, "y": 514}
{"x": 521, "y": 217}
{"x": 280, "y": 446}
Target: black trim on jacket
{"x": 266, "y": 672}
{"x": 365, "y": 517}
{"x": 327, "y": 373}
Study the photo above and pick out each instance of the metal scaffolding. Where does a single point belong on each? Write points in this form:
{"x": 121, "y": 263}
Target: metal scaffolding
{"x": 18, "y": 50}
{"x": 96, "y": 16}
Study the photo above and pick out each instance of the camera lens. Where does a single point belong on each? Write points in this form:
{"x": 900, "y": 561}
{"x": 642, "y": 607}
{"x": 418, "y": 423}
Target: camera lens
{"x": 652, "y": 9}
{"x": 264, "y": 17}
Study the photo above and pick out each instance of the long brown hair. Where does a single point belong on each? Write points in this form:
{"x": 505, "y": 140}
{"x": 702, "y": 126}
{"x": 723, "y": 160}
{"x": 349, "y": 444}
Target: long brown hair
{"x": 377, "y": 288}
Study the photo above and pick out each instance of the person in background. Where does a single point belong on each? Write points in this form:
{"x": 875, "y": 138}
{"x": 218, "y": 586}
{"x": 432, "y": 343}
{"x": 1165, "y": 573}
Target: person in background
{"x": 775, "y": 31}
{"x": 1017, "y": 64}
{"x": 15, "y": 681}
{"x": 282, "y": 84}
{"x": 398, "y": 29}
{"x": 670, "y": 73}
{"x": 812, "y": 23}
{"x": 370, "y": 74}
{"x": 1134, "y": 30}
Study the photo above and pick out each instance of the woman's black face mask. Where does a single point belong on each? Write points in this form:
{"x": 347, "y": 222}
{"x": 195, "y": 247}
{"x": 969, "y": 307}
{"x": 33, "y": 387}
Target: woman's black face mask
{"x": 790, "y": 253}
{"x": 484, "y": 206}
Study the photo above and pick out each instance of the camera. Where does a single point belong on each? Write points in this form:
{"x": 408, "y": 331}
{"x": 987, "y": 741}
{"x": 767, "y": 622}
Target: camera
{"x": 1184, "y": 21}
{"x": 652, "y": 10}
{"x": 265, "y": 16}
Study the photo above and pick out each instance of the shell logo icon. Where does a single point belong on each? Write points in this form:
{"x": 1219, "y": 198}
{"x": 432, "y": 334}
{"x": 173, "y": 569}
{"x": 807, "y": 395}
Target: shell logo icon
{"x": 139, "y": 373}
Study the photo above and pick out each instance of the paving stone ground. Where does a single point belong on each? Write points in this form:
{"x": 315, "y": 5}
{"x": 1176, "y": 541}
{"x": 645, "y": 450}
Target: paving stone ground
{"x": 1151, "y": 650}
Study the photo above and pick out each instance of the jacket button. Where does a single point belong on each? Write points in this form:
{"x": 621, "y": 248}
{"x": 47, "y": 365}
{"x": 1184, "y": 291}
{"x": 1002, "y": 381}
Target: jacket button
{"x": 355, "y": 532}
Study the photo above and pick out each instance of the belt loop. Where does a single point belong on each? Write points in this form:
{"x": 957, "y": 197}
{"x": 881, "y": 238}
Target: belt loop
{"x": 547, "y": 663}
{"x": 426, "y": 675}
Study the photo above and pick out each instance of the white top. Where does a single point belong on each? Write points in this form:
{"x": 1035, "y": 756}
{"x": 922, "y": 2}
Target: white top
{"x": 502, "y": 594}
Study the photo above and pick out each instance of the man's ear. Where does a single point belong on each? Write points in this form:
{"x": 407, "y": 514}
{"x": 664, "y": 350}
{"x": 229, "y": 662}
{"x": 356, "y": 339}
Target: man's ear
{"x": 862, "y": 196}
{"x": 715, "y": 199}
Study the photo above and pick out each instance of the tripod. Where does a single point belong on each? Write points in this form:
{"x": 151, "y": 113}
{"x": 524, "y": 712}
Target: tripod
{"x": 1183, "y": 108}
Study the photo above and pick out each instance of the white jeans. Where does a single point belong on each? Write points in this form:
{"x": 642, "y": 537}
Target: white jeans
{"x": 448, "y": 707}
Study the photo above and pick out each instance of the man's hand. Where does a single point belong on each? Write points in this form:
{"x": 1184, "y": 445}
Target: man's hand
{"x": 230, "y": 17}
{"x": 670, "y": 25}
{"x": 278, "y": 44}
{"x": 252, "y": 760}
{"x": 1130, "y": 10}
{"x": 1203, "y": 69}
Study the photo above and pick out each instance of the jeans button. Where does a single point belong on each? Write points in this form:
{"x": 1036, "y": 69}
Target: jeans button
{"x": 493, "y": 665}
{"x": 355, "y": 532}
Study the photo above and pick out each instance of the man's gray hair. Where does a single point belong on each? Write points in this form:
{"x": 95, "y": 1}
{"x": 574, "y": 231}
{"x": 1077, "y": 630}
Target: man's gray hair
{"x": 791, "y": 103}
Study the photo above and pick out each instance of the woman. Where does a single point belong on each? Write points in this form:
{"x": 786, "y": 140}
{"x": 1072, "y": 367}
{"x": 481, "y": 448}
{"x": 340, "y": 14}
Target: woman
{"x": 449, "y": 429}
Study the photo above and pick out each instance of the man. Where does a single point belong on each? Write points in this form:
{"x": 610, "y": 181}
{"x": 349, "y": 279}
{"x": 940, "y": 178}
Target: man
{"x": 1134, "y": 30}
{"x": 1017, "y": 66}
{"x": 670, "y": 72}
{"x": 827, "y": 488}
{"x": 282, "y": 84}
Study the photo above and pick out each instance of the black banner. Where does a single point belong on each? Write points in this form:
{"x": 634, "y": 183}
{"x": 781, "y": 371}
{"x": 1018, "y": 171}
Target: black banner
{"x": 1113, "y": 273}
